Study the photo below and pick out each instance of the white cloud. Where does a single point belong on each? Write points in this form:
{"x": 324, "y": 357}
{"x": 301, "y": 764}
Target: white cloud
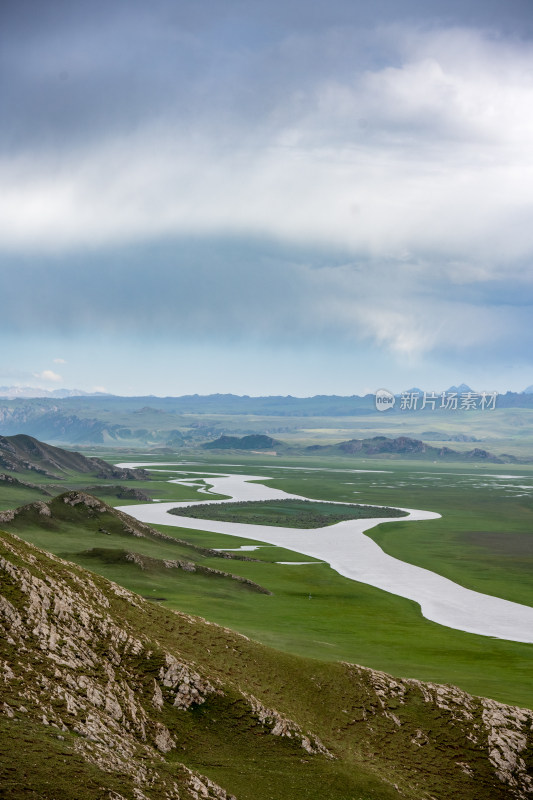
{"x": 59, "y": 361}
{"x": 421, "y": 169}
{"x": 48, "y": 375}
{"x": 400, "y": 309}
{"x": 433, "y": 154}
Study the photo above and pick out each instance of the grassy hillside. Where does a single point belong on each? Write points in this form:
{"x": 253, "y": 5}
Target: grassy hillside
{"x": 22, "y": 453}
{"x": 105, "y": 695}
{"x": 34, "y": 469}
{"x": 307, "y": 609}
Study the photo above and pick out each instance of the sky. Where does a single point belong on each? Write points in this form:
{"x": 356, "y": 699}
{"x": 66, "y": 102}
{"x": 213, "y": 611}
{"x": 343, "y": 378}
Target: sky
{"x": 292, "y": 197}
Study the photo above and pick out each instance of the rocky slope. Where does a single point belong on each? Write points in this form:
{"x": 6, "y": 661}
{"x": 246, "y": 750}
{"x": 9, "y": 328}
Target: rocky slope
{"x": 106, "y": 696}
{"x": 23, "y": 453}
{"x": 90, "y": 515}
{"x": 9, "y": 480}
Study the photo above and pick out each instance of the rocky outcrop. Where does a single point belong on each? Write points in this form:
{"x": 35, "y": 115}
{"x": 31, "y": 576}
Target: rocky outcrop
{"x": 69, "y": 665}
{"x": 122, "y": 492}
{"x": 72, "y": 669}
{"x": 9, "y": 480}
{"x": 76, "y": 498}
{"x": 279, "y": 725}
{"x": 146, "y": 562}
{"x": 105, "y": 673}
{"x": 38, "y": 506}
{"x": 508, "y": 732}
{"x": 504, "y": 734}
{"x": 204, "y": 789}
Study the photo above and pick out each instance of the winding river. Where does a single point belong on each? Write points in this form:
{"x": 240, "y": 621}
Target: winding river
{"x": 349, "y": 552}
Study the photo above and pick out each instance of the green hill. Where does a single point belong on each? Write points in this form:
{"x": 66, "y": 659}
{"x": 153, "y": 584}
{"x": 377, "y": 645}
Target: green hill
{"x": 22, "y": 453}
{"x": 308, "y": 610}
{"x": 13, "y": 483}
{"x": 93, "y": 533}
{"x": 106, "y": 696}
{"x": 403, "y": 447}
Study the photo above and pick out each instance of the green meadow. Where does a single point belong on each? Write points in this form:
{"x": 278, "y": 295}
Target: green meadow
{"x": 285, "y": 513}
{"x": 484, "y": 539}
{"x": 14, "y": 496}
{"x": 481, "y": 542}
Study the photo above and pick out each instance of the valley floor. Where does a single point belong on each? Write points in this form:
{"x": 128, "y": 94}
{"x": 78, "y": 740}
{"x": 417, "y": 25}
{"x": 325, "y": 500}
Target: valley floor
{"x": 346, "y": 548}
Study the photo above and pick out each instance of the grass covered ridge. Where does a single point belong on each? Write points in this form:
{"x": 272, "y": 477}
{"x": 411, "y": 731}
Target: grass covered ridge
{"x": 311, "y": 610}
{"x": 286, "y": 513}
{"x": 106, "y": 695}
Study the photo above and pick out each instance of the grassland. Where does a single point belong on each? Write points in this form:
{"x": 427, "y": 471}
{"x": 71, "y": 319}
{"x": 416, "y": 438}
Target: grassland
{"x": 387, "y": 739}
{"x": 313, "y": 611}
{"x": 484, "y": 539}
{"x": 286, "y": 513}
{"x": 14, "y": 496}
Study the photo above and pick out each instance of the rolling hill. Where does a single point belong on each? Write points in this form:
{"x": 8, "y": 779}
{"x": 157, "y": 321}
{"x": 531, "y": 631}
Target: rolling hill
{"x": 405, "y": 447}
{"x": 22, "y": 453}
{"x": 374, "y": 447}
{"x": 108, "y": 696}
{"x": 93, "y": 532}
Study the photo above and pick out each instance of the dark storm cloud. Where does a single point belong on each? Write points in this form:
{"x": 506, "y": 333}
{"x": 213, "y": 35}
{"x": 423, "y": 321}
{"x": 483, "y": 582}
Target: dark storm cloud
{"x": 73, "y": 71}
{"x": 226, "y": 290}
{"x": 396, "y": 136}
{"x": 192, "y": 287}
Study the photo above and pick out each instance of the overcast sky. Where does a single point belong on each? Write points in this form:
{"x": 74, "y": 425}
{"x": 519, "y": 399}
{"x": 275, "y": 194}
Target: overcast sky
{"x": 291, "y": 197}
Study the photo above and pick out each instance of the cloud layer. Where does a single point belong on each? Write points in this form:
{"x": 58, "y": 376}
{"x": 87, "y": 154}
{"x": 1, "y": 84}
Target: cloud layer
{"x": 431, "y": 155}
{"x": 345, "y": 176}
{"x": 256, "y": 290}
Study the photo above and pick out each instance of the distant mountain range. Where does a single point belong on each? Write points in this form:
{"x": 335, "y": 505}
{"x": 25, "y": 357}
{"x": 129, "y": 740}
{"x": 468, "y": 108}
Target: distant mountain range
{"x": 191, "y": 420}
{"x": 377, "y": 446}
{"x": 459, "y": 389}
{"x": 406, "y": 447}
{"x": 9, "y": 392}
{"x": 34, "y": 391}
